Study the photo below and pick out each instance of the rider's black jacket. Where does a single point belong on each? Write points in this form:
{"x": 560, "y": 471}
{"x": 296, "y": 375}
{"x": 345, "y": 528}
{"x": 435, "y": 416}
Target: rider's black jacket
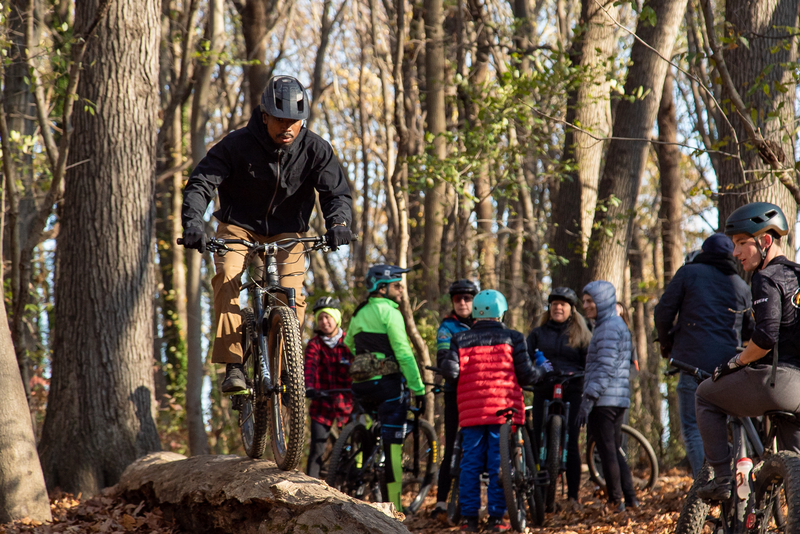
{"x": 267, "y": 189}
{"x": 552, "y": 339}
{"x": 776, "y": 306}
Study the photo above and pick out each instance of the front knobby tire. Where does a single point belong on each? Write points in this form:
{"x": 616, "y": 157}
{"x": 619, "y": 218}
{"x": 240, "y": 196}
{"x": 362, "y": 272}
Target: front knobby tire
{"x": 777, "y": 494}
{"x": 253, "y": 415}
{"x": 510, "y": 465}
{"x": 639, "y": 455}
{"x": 553, "y": 460}
{"x": 417, "y": 482}
{"x": 695, "y": 510}
{"x": 287, "y": 399}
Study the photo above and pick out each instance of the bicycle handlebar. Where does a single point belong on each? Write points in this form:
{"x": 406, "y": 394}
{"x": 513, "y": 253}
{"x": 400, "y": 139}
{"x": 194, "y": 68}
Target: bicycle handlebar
{"x": 698, "y": 374}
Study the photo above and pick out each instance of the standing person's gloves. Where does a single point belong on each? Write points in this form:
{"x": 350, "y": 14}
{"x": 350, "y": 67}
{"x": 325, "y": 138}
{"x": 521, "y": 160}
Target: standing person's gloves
{"x": 420, "y": 400}
{"x": 583, "y": 413}
{"x": 731, "y": 366}
{"x": 338, "y": 235}
{"x": 543, "y": 362}
{"x": 195, "y": 238}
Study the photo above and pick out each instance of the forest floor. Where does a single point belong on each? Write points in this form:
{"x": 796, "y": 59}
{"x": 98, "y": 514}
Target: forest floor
{"x": 107, "y": 513}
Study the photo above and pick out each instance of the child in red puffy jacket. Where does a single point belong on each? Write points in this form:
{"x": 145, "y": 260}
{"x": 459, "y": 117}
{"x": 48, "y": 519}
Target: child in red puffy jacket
{"x": 488, "y": 365}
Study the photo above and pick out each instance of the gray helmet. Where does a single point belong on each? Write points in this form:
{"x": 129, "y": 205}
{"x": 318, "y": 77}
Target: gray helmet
{"x": 326, "y": 302}
{"x": 564, "y": 294}
{"x": 285, "y": 98}
{"x": 755, "y": 219}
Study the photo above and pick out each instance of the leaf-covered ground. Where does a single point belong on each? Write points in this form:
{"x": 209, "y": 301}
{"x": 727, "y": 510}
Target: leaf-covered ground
{"x": 109, "y": 514}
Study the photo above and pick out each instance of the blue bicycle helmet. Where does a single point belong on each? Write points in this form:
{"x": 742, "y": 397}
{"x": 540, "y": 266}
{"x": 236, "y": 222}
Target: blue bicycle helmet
{"x": 380, "y": 275}
{"x": 489, "y": 304}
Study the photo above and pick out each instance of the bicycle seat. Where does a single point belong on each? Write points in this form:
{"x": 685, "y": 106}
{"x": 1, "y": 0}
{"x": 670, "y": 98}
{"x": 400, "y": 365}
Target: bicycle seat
{"x": 505, "y": 411}
{"x": 781, "y": 415}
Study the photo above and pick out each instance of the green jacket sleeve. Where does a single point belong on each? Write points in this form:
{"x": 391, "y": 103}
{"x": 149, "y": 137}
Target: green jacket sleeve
{"x": 396, "y": 330}
{"x": 350, "y": 339}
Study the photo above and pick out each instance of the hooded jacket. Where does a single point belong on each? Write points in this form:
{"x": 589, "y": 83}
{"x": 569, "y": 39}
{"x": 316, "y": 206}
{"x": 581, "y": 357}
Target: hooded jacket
{"x": 608, "y": 361}
{"x": 711, "y": 303}
{"x": 265, "y": 188}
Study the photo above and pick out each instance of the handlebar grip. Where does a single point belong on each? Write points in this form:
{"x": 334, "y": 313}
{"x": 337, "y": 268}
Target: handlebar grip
{"x": 433, "y": 368}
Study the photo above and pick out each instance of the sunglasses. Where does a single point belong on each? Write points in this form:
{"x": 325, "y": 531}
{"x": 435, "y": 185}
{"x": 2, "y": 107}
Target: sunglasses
{"x": 462, "y": 298}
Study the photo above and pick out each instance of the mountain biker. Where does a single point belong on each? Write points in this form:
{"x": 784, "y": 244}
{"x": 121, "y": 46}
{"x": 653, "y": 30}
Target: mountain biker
{"x": 459, "y": 320}
{"x": 606, "y": 392}
{"x": 707, "y": 296}
{"x": 266, "y": 174}
{"x": 384, "y": 368}
{"x": 746, "y": 386}
{"x": 327, "y": 367}
{"x": 488, "y": 364}
{"x": 563, "y": 338}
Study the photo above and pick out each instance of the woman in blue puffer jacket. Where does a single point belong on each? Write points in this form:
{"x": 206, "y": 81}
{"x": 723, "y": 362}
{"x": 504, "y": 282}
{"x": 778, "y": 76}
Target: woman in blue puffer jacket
{"x": 606, "y": 392}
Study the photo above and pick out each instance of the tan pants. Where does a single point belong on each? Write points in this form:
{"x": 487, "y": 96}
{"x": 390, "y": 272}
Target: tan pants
{"x": 227, "y": 284}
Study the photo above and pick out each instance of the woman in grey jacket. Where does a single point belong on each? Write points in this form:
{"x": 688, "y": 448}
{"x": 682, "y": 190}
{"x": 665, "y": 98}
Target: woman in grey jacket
{"x": 606, "y": 393}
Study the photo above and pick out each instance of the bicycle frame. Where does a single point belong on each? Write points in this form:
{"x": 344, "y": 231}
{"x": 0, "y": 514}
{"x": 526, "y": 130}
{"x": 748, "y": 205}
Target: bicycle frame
{"x": 557, "y": 407}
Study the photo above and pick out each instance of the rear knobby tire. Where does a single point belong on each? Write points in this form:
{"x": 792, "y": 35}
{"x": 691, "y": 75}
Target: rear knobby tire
{"x": 640, "y": 456}
{"x": 419, "y": 484}
{"x": 553, "y": 460}
{"x": 254, "y": 414}
{"x": 695, "y": 510}
{"x": 777, "y": 494}
{"x": 509, "y": 465}
{"x": 347, "y": 459}
{"x": 287, "y": 401}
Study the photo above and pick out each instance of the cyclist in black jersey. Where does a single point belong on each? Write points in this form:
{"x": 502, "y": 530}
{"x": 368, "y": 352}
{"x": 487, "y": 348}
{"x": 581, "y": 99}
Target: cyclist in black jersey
{"x": 749, "y": 384}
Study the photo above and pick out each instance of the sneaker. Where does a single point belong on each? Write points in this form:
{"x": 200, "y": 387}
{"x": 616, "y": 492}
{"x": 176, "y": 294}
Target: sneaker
{"x": 632, "y": 503}
{"x": 573, "y": 505}
{"x": 439, "y": 513}
{"x": 234, "y": 383}
{"x": 470, "y": 524}
{"x": 498, "y": 524}
{"x": 616, "y": 507}
{"x": 716, "y": 489}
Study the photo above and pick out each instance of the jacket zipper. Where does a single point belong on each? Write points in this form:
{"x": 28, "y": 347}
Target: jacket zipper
{"x": 274, "y": 193}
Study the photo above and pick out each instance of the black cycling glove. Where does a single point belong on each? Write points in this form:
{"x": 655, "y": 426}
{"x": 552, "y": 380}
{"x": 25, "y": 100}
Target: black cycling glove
{"x": 195, "y": 238}
{"x": 338, "y": 235}
{"x": 731, "y": 366}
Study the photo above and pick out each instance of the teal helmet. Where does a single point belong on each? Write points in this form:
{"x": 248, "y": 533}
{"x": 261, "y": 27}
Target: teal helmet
{"x": 489, "y": 304}
{"x": 379, "y": 275}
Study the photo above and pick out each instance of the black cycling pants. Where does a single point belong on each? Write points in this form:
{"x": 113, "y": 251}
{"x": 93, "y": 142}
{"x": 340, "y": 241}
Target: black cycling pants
{"x": 319, "y": 438}
{"x": 572, "y": 394}
{"x": 605, "y": 425}
{"x": 450, "y": 432}
{"x": 746, "y": 393}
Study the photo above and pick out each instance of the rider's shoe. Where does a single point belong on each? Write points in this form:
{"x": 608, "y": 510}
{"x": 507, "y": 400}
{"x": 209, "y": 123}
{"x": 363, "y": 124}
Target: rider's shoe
{"x": 632, "y": 503}
{"x": 615, "y": 507}
{"x": 234, "y": 383}
{"x": 439, "y": 513}
{"x": 573, "y": 505}
{"x": 498, "y": 524}
{"x": 716, "y": 489}
{"x": 470, "y": 524}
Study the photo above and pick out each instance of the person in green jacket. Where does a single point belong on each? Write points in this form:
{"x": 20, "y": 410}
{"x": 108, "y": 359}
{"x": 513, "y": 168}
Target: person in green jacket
{"x": 377, "y": 336}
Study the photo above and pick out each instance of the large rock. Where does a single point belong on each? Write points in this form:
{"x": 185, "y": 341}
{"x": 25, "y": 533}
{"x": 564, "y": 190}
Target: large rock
{"x": 231, "y": 494}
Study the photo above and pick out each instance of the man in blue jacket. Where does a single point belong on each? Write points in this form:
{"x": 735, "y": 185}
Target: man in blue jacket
{"x": 266, "y": 174}
{"x": 712, "y": 305}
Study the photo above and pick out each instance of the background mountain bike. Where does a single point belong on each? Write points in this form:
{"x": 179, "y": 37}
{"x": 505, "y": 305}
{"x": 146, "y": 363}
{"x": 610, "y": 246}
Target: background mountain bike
{"x": 272, "y": 353}
{"x": 358, "y": 461}
{"x": 767, "y": 500}
{"x": 554, "y": 438}
{"x": 519, "y": 474}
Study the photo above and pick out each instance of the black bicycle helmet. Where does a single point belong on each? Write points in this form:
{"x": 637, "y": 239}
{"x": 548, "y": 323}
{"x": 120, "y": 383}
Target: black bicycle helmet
{"x": 326, "y": 302}
{"x": 285, "y": 98}
{"x": 565, "y": 294}
{"x": 379, "y": 275}
{"x": 755, "y": 219}
{"x": 463, "y": 287}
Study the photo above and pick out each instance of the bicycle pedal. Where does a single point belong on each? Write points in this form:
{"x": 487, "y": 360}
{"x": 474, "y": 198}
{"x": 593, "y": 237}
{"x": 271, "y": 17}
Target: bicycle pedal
{"x": 542, "y": 478}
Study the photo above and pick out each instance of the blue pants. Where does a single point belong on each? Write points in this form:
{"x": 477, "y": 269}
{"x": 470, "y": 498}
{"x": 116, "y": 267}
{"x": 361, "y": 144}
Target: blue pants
{"x": 480, "y": 452}
{"x": 686, "y": 390}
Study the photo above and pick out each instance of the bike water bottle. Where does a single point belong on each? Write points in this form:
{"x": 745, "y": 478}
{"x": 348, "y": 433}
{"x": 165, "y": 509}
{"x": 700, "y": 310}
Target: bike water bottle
{"x": 743, "y": 468}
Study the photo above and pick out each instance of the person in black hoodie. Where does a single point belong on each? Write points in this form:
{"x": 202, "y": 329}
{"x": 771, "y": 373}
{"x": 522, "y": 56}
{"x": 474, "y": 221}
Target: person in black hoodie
{"x": 563, "y": 337}
{"x": 266, "y": 174}
{"x": 712, "y": 303}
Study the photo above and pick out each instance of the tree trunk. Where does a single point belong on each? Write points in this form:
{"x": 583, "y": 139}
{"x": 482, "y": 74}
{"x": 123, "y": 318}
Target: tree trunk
{"x": 22, "y": 488}
{"x": 100, "y": 406}
{"x": 765, "y": 24}
{"x": 669, "y": 158}
{"x": 619, "y": 187}
{"x": 435, "y": 207}
{"x": 588, "y": 107}
{"x": 258, "y": 19}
